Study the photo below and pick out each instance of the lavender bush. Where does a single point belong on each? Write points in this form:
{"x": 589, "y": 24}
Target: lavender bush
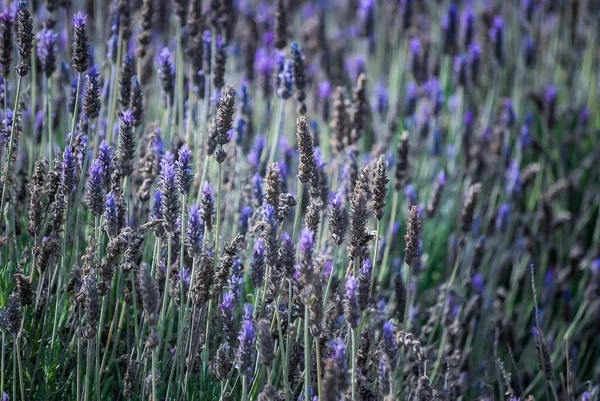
{"x": 299, "y": 200}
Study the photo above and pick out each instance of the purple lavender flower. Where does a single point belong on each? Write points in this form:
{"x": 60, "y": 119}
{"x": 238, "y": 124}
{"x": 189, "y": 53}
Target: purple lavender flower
{"x": 306, "y": 249}
{"x": 389, "y": 343}
{"x": 450, "y": 29}
{"x": 111, "y": 216}
{"x": 80, "y": 54}
{"x": 286, "y": 80}
{"x": 184, "y": 170}
{"x": 166, "y": 72}
{"x": 351, "y": 307}
{"x": 245, "y": 214}
{"x": 257, "y": 189}
{"x": 206, "y": 51}
{"x": 478, "y": 283}
{"x": 474, "y": 60}
{"x": 244, "y": 360}
{"x": 256, "y": 151}
{"x": 496, "y": 37}
{"x": 171, "y": 205}
{"x": 382, "y": 100}
{"x": 529, "y": 52}
{"x": 69, "y": 171}
{"x": 257, "y": 265}
{"x": 91, "y": 100}
{"x": 94, "y": 198}
{"x": 364, "y": 284}
{"x": 126, "y": 146}
{"x": 469, "y": 24}
{"x": 411, "y": 99}
{"x": 208, "y": 205}
{"x": 194, "y": 235}
{"x": 105, "y": 156}
{"x": 46, "y": 51}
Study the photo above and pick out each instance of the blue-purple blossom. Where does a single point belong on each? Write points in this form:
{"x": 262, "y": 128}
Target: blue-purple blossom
{"x": 257, "y": 265}
{"x": 184, "y": 170}
{"x": 46, "y": 51}
{"x": 208, "y": 205}
{"x": 94, "y": 197}
{"x": 69, "y": 171}
{"x": 194, "y": 235}
{"x": 244, "y": 360}
{"x": 171, "y": 204}
{"x": 111, "y": 216}
{"x": 351, "y": 307}
{"x": 496, "y": 37}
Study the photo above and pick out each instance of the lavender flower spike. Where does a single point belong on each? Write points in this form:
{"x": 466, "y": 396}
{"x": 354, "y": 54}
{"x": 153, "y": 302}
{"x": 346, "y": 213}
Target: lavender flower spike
{"x": 184, "y": 170}
{"x": 351, "y": 306}
{"x": 94, "y": 198}
{"x": 80, "y": 53}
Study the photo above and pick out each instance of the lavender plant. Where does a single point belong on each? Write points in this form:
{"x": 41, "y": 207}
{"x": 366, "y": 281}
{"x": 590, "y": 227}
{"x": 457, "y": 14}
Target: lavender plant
{"x": 317, "y": 200}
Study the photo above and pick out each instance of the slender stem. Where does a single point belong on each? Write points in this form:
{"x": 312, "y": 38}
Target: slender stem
{"x": 333, "y": 273}
{"x": 166, "y": 289}
{"x": 20, "y": 365}
{"x": 244, "y": 389}
{"x": 2, "y": 363}
{"x": 74, "y": 120}
{"x": 375, "y": 254}
{"x": 154, "y": 369}
{"x": 307, "y": 364}
{"x": 353, "y": 338}
{"x": 388, "y": 239}
{"x": 407, "y": 303}
{"x": 298, "y": 209}
{"x": 78, "y": 388}
{"x": 12, "y": 141}
{"x": 88, "y": 371}
{"x": 318, "y": 351}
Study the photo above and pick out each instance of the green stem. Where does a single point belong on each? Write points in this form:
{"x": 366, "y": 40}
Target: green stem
{"x": 74, "y": 119}
{"x": 154, "y": 369}
{"x": 20, "y": 365}
{"x": 12, "y": 140}
{"x": 298, "y": 209}
{"x": 244, "y": 389}
{"x": 88, "y": 371}
{"x": 307, "y": 365}
{"x": 388, "y": 239}
{"x": 318, "y": 351}
{"x": 353, "y": 338}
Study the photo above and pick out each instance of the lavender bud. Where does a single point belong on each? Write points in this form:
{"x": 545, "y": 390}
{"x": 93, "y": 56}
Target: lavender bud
{"x": 436, "y": 194}
{"x": 208, "y": 206}
{"x": 91, "y": 305}
{"x": 126, "y": 146}
{"x": 380, "y": 181}
{"x": 529, "y": 52}
{"x": 10, "y": 316}
{"x": 91, "y": 100}
{"x": 402, "y": 165}
{"x": 286, "y": 255}
{"x": 111, "y": 216}
{"x": 265, "y": 343}
{"x": 384, "y": 374}
{"x": 360, "y": 110}
{"x": 338, "y": 218}
{"x": 257, "y": 266}
{"x": 413, "y": 237}
{"x": 69, "y": 172}
{"x": 244, "y": 360}
{"x": 225, "y": 112}
{"x": 364, "y": 284}
{"x": 106, "y": 159}
{"x": 468, "y": 210}
{"x": 137, "y": 101}
{"x": 166, "y": 72}
{"x": 450, "y": 30}
{"x": 220, "y": 62}
{"x": 281, "y": 25}
{"x": 223, "y": 361}
{"x": 273, "y": 186}
{"x": 299, "y": 77}
{"x": 496, "y": 37}
{"x": 80, "y": 53}
{"x": 194, "y": 235}
{"x": 184, "y": 170}
{"x": 307, "y": 165}
{"x": 207, "y": 51}
{"x": 46, "y": 51}
{"x": 306, "y": 249}
{"x": 351, "y": 307}
{"x": 170, "y": 208}
{"x": 94, "y": 198}
{"x": 6, "y": 43}
{"x": 150, "y": 296}
{"x": 24, "y": 38}
{"x": 125, "y": 75}
{"x": 359, "y": 237}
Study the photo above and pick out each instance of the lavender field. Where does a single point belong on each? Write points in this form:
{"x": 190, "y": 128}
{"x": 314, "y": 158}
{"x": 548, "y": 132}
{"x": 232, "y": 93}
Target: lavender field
{"x": 300, "y": 200}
